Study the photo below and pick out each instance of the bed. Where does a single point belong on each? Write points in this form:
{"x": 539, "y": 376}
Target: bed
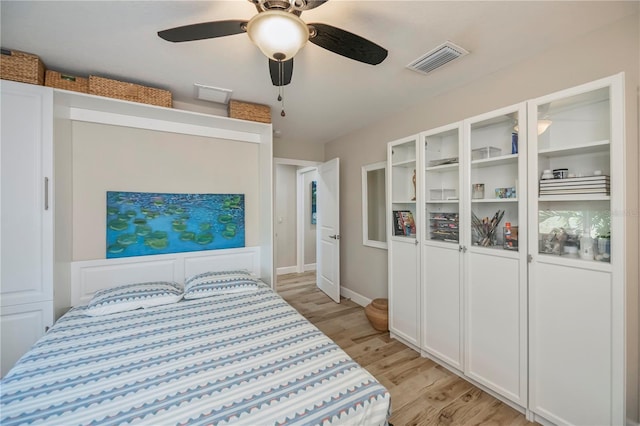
{"x": 242, "y": 356}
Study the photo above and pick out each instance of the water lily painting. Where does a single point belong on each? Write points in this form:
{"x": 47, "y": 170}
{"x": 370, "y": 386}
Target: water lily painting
{"x": 145, "y": 223}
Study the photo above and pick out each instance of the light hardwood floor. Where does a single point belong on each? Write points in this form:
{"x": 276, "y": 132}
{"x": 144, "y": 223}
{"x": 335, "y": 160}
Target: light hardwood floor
{"x": 422, "y": 392}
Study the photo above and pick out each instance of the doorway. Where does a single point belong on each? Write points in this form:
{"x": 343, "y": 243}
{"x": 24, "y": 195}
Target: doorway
{"x": 294, "y": 232}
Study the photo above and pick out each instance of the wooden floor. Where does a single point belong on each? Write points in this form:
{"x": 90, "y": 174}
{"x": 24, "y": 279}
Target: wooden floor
{"x": 422, "y": 392}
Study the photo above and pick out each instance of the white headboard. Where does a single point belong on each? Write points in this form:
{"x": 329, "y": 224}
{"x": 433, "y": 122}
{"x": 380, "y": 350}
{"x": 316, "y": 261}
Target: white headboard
{"x": 89, "y": 276}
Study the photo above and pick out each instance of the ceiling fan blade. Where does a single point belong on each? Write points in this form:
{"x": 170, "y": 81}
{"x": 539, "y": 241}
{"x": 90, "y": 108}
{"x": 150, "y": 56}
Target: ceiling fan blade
{"x": 203, "y": 30}
{"x": 278, "y": 78}
{"x": 347, "y": 44}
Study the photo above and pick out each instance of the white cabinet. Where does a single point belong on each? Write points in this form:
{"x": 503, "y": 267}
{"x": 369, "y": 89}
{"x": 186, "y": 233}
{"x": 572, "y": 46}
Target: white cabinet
{"x": 402, "y": 237}
{"x": 495, "y": 252}
{"x": 522, "y": 279}
{"x": 26, "y": 235}
{"x": 577, "y": 273}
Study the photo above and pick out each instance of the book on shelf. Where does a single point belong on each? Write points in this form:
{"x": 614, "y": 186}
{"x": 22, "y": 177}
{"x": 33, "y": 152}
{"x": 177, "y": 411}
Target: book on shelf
{"x": 403, "y": 223}
{"x": 563, "y": 187}
{"x": 576, "y": 180}
{"x": 604, "y": 191}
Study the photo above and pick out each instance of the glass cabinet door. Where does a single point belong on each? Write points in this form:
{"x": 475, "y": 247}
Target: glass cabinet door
{"x": 403, "y": 181}
{"x": 496, "y": 171}
{"x": 573, "y": 175}
{"x": 442, "y": 184}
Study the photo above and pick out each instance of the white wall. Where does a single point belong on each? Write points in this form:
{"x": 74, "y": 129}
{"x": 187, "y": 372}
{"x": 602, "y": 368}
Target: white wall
{"x": 605, "y": 52}
{"x": 111, "y": 158}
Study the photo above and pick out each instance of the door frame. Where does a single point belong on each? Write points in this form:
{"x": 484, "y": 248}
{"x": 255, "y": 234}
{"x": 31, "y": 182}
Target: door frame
{"x": 305, "y": 164}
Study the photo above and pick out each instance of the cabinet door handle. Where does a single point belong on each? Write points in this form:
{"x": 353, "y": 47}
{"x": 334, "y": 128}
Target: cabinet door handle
{"x": 46, "y": 193}
{"x": 335, "y": 237}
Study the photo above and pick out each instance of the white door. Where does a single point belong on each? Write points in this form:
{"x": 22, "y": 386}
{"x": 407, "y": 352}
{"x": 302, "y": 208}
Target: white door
{"x": 328, "y": 223}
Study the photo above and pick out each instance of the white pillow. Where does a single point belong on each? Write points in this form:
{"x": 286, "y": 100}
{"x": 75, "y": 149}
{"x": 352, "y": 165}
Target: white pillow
{"x": 133, "y": 296}
{"x": 210, "y": 283}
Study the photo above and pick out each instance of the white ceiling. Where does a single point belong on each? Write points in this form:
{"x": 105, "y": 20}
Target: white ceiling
{"x": 329, "y": 95}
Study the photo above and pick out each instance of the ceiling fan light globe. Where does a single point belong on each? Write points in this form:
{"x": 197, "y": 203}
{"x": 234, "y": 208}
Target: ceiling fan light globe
{"x": 279, "y": 35}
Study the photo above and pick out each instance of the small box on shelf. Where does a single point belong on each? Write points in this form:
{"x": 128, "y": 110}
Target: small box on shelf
{"x": 485, "y": 152}
{"x": 442, "y": 194}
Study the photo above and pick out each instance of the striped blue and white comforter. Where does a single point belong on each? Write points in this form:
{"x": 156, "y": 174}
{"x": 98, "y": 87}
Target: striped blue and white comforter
{"x": 245, "y": 358}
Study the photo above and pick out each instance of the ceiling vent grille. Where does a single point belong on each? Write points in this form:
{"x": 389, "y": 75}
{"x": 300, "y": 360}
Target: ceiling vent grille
{"x": 436, "y": 58}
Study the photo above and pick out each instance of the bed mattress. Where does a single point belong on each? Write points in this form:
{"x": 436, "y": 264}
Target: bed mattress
{"x": 246, "y": 358}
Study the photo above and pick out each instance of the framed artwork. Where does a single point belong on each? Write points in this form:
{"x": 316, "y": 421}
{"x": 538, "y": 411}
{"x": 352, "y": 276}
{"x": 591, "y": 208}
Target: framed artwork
{"x": 314, "y": 186}
{"x": 146, "y": 223}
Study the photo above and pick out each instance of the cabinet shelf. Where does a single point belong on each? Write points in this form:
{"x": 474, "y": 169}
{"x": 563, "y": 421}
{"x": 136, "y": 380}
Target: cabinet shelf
{"x": 403, "y": 202}
{"x": 584, "y": 148}
{"x": 495, "y": 161}
{"x": 574, "y": 262}
{"x": 442, "y": 168}
{"x": 495, "y": 200}
{"x": 456, "y": 201}
{"x": 404, "y": 163}
{"x": 495, "y": 251}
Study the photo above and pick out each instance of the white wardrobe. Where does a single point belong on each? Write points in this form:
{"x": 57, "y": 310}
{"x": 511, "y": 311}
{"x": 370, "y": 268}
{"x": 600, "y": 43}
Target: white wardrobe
{"x": 26, "y": 241}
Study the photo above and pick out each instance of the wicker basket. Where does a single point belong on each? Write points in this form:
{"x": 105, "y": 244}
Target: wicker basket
{"x": 22, "y": 67}
{"x": 66, "y": 81}
{"x": 129, "y": 92}
{"x": 249, "y": 111}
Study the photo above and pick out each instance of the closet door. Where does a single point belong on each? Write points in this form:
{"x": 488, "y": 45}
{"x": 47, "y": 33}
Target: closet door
{"x": 26, "y": 235}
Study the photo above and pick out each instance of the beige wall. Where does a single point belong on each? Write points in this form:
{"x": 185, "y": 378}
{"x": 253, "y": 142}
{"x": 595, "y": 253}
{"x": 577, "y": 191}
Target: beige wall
{"x": 285, "y": 205}
{"x": 298, "y": 150}
{"x": 309, "y": 228}
{"x": 608, "y": 51}
{"x": 110, "y": 158}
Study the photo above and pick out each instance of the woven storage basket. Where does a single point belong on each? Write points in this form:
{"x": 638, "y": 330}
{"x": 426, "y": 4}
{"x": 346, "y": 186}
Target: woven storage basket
{"x": 377, "y": 313}
{"x": 129, "y": 92}
{"x": 21, "y": 66}
{"x": 249, "y": 111}
{"x": 66, "y": 81}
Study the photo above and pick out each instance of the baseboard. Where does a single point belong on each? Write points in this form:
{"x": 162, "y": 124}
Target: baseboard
{"x": 309, "y": 267}
{"x": 356, "y": 297}
{"x": 286, "y": 270}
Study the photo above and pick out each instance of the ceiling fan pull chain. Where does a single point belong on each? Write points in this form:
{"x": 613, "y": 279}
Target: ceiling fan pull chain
{"x": 281, "y": 86}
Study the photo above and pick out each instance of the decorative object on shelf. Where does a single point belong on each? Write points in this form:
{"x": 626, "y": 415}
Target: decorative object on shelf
{"x": 443, "y": 161}
{"x": 413, "y": 179}
{"x": 444, "y": 226}
{"x": 377, "y": 313}
{"x": 510, "y": 237}
{"x": 403, "y": 223}
{"x": 477, "y": 191}
{"x": 586, "y": 248}
{"x": 485, "y": 230}
{"x": 485, "y": 152}
{"x": 554, "y": 241}
{"x": 506, "y": 192}
{"x": 514, "y": 143}
{"x": 442, "y": 194}
{"x": 546, "y": 174}
{"x": 560, "y": 173}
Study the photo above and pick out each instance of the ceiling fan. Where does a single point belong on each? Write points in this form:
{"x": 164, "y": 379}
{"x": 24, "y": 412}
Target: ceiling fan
{"x": 279, "y": 33}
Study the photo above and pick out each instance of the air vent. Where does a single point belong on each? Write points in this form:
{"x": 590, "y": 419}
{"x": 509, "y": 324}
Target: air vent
{"x": 436, "y": 58}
